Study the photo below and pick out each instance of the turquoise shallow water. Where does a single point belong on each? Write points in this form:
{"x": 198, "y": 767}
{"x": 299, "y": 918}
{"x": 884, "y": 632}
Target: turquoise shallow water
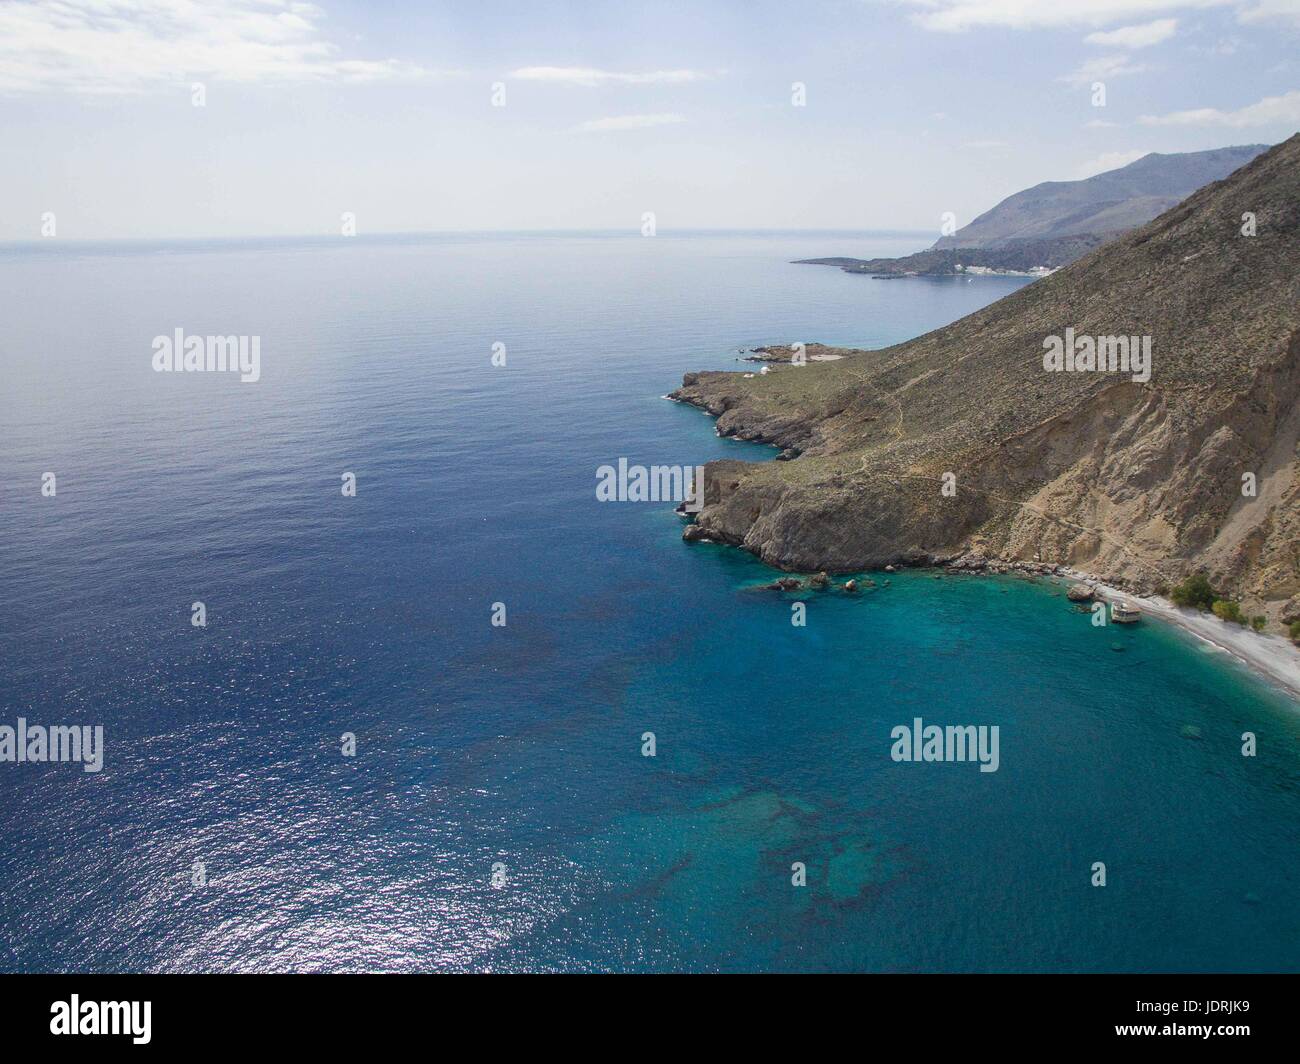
{"x": 520, "y": 746}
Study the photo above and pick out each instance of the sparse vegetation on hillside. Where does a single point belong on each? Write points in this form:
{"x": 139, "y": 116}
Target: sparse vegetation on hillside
{"x": 1195, "y": 591}
{"x": 1226, "y": 610}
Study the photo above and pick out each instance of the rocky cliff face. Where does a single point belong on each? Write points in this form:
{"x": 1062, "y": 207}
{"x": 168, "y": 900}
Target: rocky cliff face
{"x": 961, "y": 441}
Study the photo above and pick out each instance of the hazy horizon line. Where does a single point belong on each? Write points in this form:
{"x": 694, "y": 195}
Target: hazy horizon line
{"x": 630, "y": 231}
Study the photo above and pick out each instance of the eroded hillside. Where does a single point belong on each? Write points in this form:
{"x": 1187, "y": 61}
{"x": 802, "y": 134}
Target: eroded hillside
{"x": 1136, "y": 481}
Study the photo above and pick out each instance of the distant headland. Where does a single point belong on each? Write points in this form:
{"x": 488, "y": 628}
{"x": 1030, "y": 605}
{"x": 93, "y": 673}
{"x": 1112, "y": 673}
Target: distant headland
{"x": 1054, "y": 223}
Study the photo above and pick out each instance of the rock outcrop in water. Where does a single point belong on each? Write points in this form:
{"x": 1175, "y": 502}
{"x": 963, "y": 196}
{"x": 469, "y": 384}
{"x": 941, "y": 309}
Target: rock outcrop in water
{"x": 960, "y": 443}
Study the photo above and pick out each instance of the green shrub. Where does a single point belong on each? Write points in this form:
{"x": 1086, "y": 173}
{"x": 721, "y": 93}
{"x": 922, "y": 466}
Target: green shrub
{"x": 1257, "y": 622}
{"x": 1227, "y": 610}
{"x": 1295, "y": 630}
{"x": 1194, "y": 591}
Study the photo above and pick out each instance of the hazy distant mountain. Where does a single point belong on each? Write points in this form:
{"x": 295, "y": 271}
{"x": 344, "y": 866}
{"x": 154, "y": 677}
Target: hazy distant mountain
{"x": 1052, "y": 224}
{"x": 1102, "y": 205}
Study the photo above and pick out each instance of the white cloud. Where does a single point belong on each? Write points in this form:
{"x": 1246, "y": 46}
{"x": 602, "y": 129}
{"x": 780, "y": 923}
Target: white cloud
{"x": 1271, "y": 11}
{"x": 1099, "y": 123}
{"x": 1281, "y": 110}
{"x": 953, "y": 16}
{"x": 1224, "y": 46}
{"x": 616, "y": 123}
{"x": 1101, "y": 68}
{"x": 957, "y": 15}
{"x": 1111, "y": 160}
{"x": 1141, "y": 36}
{"x": 590, "y": 77}
{"x": 132, "y": 46}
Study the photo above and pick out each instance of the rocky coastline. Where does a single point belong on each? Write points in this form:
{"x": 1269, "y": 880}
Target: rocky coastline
{"x": 1270, "y": 657}
{"x": 957, "y": 451}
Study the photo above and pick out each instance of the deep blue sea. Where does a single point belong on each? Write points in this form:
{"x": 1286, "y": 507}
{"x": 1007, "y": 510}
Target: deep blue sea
{"x": 517, "y": 750}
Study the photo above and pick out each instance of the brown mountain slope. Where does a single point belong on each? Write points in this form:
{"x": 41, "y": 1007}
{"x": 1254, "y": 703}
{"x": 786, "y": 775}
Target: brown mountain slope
{"x": 1105, "y": 203}
{"x": 1138, "y": 483}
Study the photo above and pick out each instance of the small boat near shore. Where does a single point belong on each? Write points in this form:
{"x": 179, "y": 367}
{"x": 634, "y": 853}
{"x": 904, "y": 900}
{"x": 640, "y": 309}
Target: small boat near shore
{"x": 1124, "y": 612}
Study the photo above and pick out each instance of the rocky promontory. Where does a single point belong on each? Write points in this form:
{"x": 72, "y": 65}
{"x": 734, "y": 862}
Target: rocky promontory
{"x": 1017, "y": 257}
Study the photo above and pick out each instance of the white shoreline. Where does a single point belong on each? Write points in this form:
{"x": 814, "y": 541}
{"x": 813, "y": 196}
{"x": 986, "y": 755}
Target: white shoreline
{"x": 1270, "y": 656}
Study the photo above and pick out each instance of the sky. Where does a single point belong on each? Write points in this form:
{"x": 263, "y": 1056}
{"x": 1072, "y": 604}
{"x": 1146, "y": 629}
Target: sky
{"x": 169, "y": 119}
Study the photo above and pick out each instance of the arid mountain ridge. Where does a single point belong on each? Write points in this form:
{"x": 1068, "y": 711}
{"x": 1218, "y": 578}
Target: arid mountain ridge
{"x": 1056, "y": 222}
{"x": 1137, "y": 483}
{"x": 1104, "y": 204}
